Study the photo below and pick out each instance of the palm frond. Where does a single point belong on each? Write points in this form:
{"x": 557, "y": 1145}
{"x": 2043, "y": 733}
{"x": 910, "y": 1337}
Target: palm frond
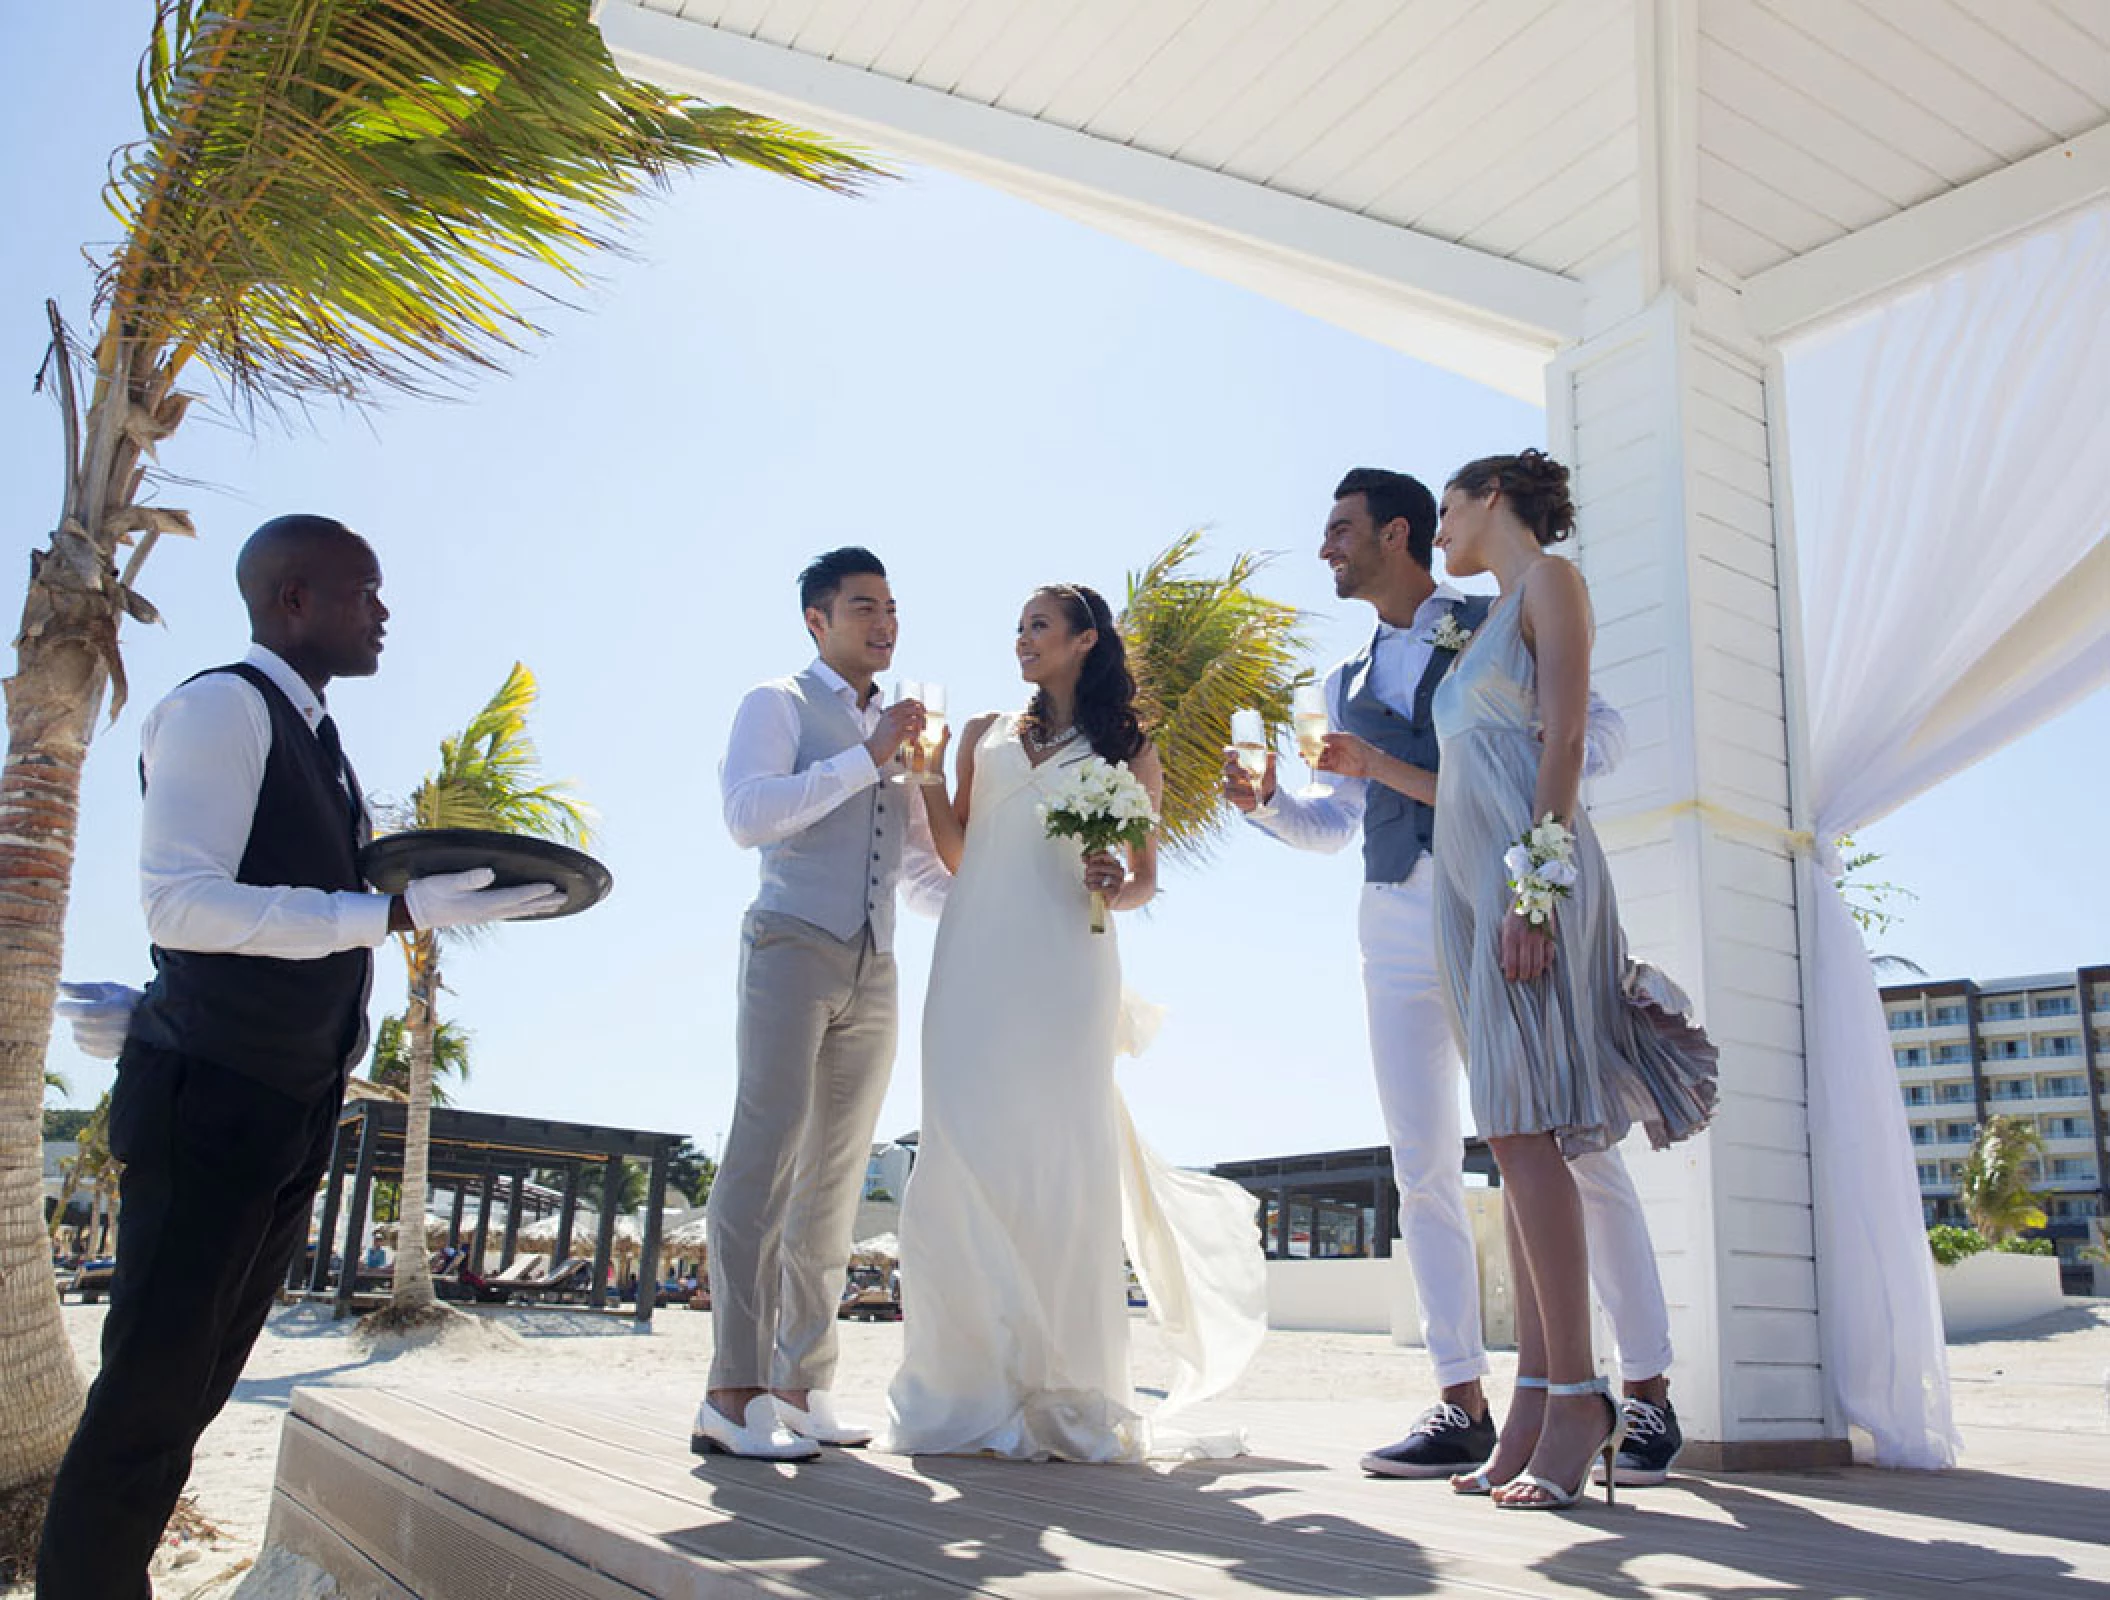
{"x": 1994, "y": 1183}
{"x": 336, "y": 194}
{"x": 390, "y": 1061}
{"x": 1202, "y": 647}
{"x": 488, "y": 776}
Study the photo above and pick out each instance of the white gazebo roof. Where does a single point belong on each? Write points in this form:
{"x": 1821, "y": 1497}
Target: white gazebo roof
{"x": 1459, "y": 179}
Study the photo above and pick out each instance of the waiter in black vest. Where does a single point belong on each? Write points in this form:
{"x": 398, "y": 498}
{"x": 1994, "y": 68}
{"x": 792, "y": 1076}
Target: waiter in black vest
{"x": 233, "y": 1067}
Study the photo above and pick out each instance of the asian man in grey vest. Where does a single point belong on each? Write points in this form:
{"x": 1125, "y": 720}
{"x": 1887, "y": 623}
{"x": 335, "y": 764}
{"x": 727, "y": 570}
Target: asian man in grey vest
{"x": 1378, "y": 540}
{"x": 802, "y": 784}
{"x": 231, "y": 1068}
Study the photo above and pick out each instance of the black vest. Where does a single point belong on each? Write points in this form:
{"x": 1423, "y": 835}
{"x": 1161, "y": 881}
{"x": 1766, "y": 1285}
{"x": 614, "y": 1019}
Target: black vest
{"x": 1397, "y": 831}
{"x": 298, "y": 1026}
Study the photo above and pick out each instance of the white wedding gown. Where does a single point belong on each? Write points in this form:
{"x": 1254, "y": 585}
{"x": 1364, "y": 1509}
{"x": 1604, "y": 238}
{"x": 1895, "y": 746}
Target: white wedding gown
{"x": 1029, "y": 1177}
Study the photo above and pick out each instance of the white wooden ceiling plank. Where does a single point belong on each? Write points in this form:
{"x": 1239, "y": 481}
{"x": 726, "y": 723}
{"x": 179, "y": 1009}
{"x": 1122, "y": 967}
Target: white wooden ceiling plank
{"x": 2089, "y": 16}
{"x": 1586, "y": 175}
{"x": 1207, "y": 35}
{"x": 971, "y": 37}
{"x": 866, "y": 34}
{"x": 1433, "y": 142}
{"x": 1033, "y": 87}
{"x": 1590, "y": 239}
{"x": 1027, "y": 31}
{"x": 1921, "y": 73}
{"x": 1595, "y": 220}
{"x": 1252, "y": 136}
{"x": 1388, "y": 82}
{"x": 1812, "y": 125}
{"x": 1727, "y": 243}
{"x": 1823, "y": 188}
{"x": 734, "y": 16}
{"x": 1788, "y": 52}
{"x": 915, "y": 36}
{"x": 1780, "y": 217}
{"x": 1148, "y": 33}
{"x": 1483, "y": 178}
{"x": 2056, "y": 41}
{"x": 781, "y": 23}
{"x": 1247, "y": 58}
{"x": 820, "y": 30}
{"x": 1981, "y": 48}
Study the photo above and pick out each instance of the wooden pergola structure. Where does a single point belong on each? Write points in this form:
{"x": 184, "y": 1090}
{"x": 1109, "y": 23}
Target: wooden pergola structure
{"x": 486, "y": 1150}
{"x": 1627, "y": 210}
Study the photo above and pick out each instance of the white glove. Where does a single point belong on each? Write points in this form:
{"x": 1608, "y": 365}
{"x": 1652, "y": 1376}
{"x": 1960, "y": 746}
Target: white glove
{"x": 464, "y": 899}
{"x": 101, "y": 1014}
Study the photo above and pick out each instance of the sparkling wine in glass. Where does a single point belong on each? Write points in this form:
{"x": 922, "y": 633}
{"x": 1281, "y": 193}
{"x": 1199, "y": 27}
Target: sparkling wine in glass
{"x": 907, "y": 765}
{"x": 1249, "y": 745}
{"x": 925, "y": 759}
{"x": 1308, "y": 720}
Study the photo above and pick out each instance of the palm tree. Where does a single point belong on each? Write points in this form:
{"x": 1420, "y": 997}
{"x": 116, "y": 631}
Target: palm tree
{"x": 487, "y": 778}
{"x": 329, "y": 198}
{"x": 390, "y": 1064}
{"x": 1994, "y": 1185}
{"x": 1202, "y": 647}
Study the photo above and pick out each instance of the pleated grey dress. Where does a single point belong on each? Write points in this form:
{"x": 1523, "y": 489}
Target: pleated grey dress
{"x": 1598, "y": 1043}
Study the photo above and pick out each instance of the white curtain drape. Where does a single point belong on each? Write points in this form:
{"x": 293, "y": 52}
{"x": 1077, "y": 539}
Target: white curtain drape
{"x": 1950, "y": 462}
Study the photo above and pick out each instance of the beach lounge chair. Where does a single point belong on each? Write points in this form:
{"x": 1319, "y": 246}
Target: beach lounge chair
{"x": 91, "y": 1280}
{"x": 570, "y": 1277}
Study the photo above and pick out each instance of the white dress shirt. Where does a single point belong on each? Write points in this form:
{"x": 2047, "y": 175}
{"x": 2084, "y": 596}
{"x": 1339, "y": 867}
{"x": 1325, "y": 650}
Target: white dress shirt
{"x": 1400, "y": 659}
{"x": 203, "y": 749}
{"x": 767, "y": 800}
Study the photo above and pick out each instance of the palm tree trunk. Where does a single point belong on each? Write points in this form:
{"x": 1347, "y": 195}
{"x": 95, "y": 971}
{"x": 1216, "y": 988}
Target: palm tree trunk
{"x": 413, "y": 1292}
{"x": 65, "y": 657}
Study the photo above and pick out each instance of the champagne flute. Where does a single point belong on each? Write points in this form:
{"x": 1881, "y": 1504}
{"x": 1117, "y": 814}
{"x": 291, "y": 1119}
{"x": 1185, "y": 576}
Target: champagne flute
{"x": 906, "y": 766}
{"x": 926, "y": 747}
{"x": 1307, "y": 717}
{"x": 1249, "y": 745}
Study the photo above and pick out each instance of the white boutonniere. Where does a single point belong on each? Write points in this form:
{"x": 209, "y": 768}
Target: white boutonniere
{"x": 1447, "y": 635}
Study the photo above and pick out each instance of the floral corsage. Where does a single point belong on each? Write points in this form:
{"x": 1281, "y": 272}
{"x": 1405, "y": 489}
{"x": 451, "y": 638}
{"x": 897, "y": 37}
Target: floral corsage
{"x": 1447, "y": 635}
{"x": 1541, "y": 870}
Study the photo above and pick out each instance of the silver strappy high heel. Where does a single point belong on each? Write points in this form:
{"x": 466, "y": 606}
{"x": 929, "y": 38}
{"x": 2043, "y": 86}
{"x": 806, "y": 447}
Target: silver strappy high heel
{"x": 1559, "y": 1497}
{"x": 1477, "y": 1480}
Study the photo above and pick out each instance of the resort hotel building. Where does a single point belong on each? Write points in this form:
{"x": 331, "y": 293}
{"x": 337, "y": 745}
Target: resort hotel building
{"x": 2035, "y": 1047}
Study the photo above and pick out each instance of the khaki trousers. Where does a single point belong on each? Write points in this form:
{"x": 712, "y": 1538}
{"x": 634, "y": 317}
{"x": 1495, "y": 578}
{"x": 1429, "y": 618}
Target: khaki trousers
{"x": 818, "y": 1018}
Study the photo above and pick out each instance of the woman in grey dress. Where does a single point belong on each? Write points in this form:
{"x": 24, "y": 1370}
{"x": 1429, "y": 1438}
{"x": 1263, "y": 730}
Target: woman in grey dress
{"x": 1567, "y": 1042}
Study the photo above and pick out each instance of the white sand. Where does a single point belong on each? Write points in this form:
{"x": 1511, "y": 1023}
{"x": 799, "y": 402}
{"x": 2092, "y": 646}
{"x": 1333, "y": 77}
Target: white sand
{"x": 2052, "y": 1375}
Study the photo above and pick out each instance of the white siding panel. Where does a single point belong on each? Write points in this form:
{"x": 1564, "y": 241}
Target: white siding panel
{"x": 1768, "y": 1339}
{"x": 1980, "y": 46}
{"x": 2057, "y": 38}
{"x": 1844, "y": 202}
{"x": 1789, "y": 1394}
{"x": 1195, "y": 55}
{"x": 1768, "y": 1227}
{"x": 1772, "y": 214}
{"x": 1123, "y": 51}
{"x": 1777, "y": 1283}
{"x": 1726, "y": 243}
{"x": 913, "y": 39}
{"x": 1247, "y": 59}
{"x": 1060, "y": 59}
{"x": 1595, "y": 231}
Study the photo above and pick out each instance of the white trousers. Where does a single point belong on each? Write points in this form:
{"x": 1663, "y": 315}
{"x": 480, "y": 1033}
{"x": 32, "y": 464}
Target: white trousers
{"x": 1418, "y": 1075}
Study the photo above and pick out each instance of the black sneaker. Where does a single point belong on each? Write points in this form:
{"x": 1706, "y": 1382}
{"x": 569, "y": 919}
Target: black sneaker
{"x": 1653, "y": 1440}
{"x": 1442, "y": 1441}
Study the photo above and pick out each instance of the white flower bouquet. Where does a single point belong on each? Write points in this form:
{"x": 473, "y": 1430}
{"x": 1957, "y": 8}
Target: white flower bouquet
{"x": 1448, "y": 635}
{"x": 1100, "y": 805}
{"x": 1541, "y": 869}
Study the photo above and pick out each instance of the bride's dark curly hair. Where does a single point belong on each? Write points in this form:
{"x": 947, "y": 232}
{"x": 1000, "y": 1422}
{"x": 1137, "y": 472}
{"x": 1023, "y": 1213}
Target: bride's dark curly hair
{"x": 1106, "y": 689}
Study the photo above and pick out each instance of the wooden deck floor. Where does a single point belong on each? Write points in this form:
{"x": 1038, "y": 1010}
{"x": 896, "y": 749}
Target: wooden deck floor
{"x": 450, "y": 1496}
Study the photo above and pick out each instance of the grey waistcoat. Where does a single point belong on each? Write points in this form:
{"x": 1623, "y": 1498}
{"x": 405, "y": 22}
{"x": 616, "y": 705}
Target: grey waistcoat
{"x": 839, "y": 873}
{"x": 1397, "y": 830}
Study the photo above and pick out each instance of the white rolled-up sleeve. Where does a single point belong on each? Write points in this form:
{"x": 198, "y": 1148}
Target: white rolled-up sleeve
{"x": 765, "y": 799}
{"x": 203, "y": 750}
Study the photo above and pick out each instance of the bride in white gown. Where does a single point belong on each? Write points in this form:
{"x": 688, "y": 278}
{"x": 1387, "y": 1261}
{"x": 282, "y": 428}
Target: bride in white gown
{"x": 1029, "y": 1177}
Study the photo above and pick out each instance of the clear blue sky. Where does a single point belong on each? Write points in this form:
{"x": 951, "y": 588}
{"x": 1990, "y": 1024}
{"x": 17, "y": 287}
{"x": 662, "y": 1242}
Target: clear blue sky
{"x": 988, "y": 395}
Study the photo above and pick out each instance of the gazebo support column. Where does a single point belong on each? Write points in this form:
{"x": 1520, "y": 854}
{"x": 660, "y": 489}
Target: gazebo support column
{"x": 1670, "y": 416}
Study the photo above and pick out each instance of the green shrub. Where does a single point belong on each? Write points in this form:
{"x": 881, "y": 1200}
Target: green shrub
{"x": 1951, "y": 1244}
{"x": 2027, "y": 1247}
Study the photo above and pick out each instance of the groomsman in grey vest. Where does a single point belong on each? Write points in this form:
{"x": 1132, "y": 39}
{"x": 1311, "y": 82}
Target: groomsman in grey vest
{"x": 1383, "y": 754}
{"x": 802, "y": 786}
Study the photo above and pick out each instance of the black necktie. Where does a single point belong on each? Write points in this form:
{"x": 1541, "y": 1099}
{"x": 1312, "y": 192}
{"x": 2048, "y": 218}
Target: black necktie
{"x": 333, "y": 753}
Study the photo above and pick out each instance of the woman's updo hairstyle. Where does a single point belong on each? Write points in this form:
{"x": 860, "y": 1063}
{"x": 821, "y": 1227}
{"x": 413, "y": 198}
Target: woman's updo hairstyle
{"x": 1535, "y": 485}
{"x": 1106, "y": 690}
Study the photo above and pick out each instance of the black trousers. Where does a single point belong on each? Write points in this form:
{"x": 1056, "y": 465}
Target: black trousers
{"x": 220, "y": 1172}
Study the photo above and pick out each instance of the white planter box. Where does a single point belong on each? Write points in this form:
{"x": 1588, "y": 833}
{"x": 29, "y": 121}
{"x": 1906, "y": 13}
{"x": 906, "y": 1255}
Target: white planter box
{"x": 1995, "y": 1290}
